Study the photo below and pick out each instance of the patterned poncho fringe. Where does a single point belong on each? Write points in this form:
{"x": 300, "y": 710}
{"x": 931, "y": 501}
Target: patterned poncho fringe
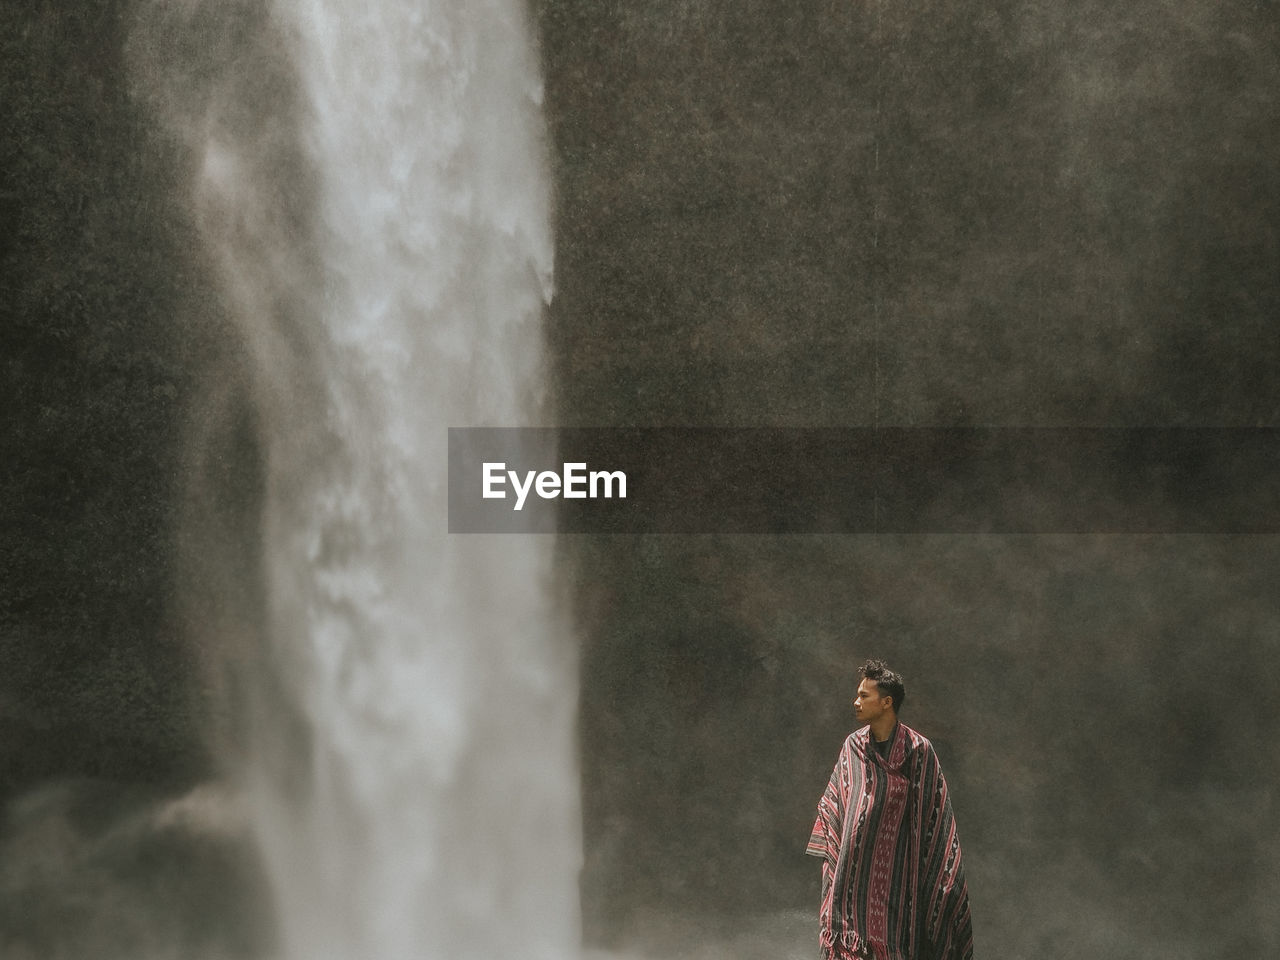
{"x": 893, "y": 884}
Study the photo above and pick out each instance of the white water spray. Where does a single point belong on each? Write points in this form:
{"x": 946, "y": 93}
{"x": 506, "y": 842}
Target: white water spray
{"x": 412, "y": 780}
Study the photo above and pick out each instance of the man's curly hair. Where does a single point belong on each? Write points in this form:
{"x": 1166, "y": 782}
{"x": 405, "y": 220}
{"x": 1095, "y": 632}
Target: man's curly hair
{"x": 889, "y": 683}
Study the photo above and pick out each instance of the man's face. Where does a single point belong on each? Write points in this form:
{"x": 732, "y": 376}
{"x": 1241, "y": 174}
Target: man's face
{"x": 870, "y": 703}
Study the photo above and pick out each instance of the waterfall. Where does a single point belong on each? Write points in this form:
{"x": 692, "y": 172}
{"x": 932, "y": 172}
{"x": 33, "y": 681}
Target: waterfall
{"x": 370, "y": 183}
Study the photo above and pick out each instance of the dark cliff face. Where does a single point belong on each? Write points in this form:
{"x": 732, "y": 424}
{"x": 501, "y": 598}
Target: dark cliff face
{"x": 800, "y": 214}
{"x": 97, "y": 262}
{"x": 109, "y": 330}
{"x": 924, "y": 214}
{"x": 933, "y": 213}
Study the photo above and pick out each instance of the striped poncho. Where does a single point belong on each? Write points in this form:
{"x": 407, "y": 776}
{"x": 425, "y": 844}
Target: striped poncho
{"x": 893, "y": 884}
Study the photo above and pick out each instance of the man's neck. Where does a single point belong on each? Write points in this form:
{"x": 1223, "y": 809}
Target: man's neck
{"x": 882, "y": 727}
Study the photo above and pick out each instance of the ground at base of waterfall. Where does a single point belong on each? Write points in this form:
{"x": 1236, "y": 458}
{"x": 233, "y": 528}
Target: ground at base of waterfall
{"x": 782, "y": 935}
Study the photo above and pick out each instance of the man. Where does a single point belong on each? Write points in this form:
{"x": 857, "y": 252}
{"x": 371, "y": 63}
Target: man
{"x": 893, "y": 884}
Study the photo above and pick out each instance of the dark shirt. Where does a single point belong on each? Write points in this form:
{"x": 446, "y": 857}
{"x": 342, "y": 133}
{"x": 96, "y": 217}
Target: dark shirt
{"x": 882, "y": 746}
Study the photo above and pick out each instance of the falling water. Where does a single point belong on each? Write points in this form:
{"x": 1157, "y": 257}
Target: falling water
{"x": 370, "y": 183}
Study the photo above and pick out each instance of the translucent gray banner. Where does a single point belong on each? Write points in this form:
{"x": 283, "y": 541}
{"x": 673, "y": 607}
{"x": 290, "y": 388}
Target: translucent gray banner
{"x": 864, "y": 480}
